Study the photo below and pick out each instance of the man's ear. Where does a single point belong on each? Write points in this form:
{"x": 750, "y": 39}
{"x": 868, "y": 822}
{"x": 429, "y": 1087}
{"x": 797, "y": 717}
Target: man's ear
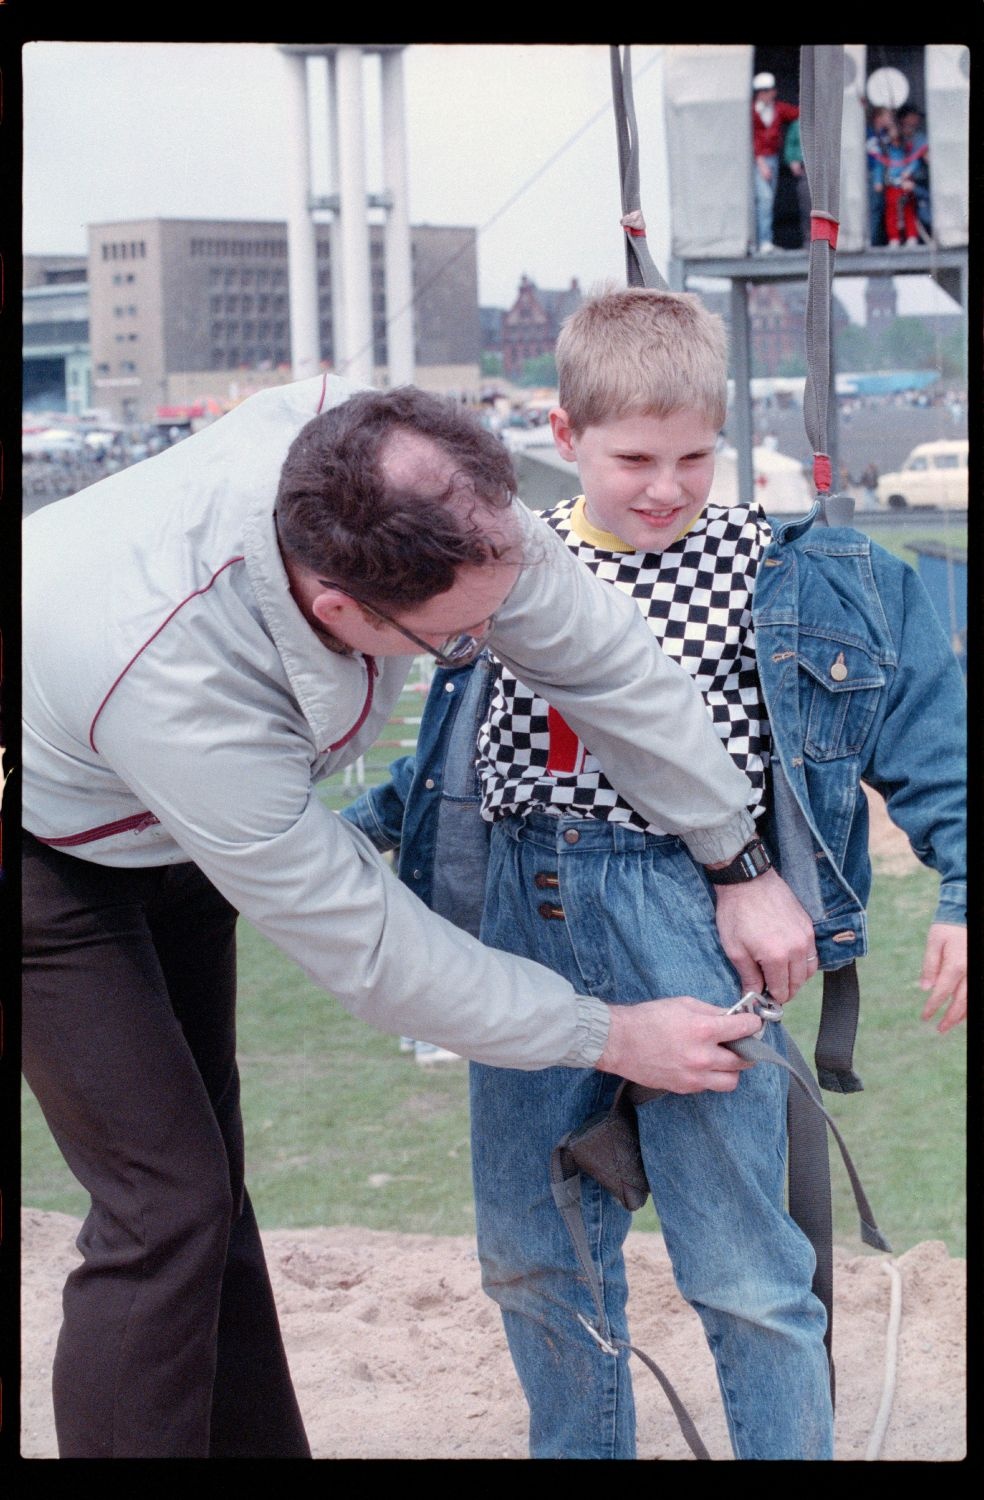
{"x": 563, "y": 434}
{"x": 330, "y": 607}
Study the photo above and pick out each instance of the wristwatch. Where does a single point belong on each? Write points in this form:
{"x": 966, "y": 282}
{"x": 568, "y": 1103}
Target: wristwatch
{"x": 749, "y": 863}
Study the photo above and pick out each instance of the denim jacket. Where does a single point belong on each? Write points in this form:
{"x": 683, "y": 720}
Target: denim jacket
{"x": 860, "y": 683}
{"x": 431, "y": 802}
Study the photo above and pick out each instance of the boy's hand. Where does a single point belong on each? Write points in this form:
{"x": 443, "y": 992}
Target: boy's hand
{"x": 944, "y": 973}
{"x": 767, "y": 935}
{"x": 675, "y": 1044}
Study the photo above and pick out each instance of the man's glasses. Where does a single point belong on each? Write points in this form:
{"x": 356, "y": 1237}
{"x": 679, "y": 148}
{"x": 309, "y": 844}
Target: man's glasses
{"x": 456, "y": 651}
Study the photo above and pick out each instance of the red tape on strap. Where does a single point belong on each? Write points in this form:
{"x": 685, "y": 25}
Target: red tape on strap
{"x": 822, "y": 472}
{"x": 823, "y": 228}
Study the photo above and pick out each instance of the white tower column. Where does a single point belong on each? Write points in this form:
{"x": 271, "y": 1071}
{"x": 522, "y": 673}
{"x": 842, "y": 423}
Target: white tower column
{"x": 301, "y": 246}
{"x": 334, "y": 232}
{"x": 353, "y": 357}
{"x": 399, "y": 284}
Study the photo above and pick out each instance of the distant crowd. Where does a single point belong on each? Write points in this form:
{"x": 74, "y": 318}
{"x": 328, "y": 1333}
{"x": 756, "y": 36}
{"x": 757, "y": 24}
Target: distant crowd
{"x": 57, "y": 472}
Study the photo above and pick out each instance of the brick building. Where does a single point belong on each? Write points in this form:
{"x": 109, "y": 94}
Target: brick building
{"x": 531, "y": 325}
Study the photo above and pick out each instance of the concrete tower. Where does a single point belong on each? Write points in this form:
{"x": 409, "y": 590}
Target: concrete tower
{"x": 348, "y": 201}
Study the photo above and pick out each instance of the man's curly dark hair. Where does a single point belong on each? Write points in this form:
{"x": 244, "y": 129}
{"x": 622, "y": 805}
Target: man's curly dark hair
{"x": 338, "y": 516}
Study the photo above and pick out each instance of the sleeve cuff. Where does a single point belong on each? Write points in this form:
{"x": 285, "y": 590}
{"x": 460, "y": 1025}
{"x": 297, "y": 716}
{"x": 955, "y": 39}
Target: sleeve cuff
{"x": 710, "y": 846}
{"x": 362, "y": 815}
{"x": 591, "y": 1037}
{"x": 952, "y": 905}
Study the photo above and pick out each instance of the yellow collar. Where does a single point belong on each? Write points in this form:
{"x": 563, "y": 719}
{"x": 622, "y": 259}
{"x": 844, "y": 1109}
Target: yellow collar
{"x": 607, "y": 541}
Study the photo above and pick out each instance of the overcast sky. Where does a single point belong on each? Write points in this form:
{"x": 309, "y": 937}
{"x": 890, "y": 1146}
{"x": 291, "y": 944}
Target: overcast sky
{"x": 517, "y": 140}
{"x": 126, "y": 130}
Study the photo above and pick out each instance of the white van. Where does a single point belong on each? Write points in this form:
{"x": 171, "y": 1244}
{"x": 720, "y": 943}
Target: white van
{"x": 933, "y": 474}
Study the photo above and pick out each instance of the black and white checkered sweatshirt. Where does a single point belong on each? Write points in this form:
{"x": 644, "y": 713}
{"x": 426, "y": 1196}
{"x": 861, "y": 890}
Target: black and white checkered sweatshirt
{"x": 697, "y": 596}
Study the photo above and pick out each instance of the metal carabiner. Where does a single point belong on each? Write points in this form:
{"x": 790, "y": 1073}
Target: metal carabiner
{"x": 752, "y": 1003}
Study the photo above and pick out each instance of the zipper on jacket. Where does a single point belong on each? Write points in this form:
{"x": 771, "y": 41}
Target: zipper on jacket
{"x": 371, "y": 671}
{"x": 135, "y": 824}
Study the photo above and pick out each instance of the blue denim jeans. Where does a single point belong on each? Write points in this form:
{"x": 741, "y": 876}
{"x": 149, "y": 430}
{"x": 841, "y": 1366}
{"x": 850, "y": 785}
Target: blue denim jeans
{"x": 765, "y": 197}
{"x": 637, "y": 923}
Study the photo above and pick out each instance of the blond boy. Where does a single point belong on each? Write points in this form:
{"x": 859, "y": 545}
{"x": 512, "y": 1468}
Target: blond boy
{"x": 578, "y": 880}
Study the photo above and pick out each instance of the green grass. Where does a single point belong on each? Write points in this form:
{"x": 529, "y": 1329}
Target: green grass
{"x": 900, "y": 540}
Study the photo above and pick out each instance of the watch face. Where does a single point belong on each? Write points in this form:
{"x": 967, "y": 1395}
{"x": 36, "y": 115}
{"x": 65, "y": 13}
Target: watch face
{"x": 751, "y": 862}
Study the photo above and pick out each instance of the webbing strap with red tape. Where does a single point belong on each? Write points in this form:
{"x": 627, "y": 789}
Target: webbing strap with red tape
{"x": 824, "y": 227}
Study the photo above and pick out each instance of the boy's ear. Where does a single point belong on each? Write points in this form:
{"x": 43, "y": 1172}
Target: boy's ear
{"x": 563, "y": 434}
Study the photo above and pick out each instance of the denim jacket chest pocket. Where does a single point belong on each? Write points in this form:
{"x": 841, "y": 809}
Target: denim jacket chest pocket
{"x": 841, "y": 686}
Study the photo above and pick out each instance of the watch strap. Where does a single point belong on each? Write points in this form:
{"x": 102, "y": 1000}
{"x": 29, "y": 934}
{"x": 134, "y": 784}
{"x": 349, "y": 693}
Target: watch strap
{"x": 748, "y": 864}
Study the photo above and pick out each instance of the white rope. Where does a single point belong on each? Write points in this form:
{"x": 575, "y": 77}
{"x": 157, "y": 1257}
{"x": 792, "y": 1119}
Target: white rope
{"x": 873, "y": 1450}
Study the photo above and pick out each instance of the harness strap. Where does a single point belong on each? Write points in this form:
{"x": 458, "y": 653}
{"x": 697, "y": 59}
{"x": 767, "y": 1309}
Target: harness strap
{"x": 640, "y": 268}
{"x": 565, "y": 1183}
{"x": 607, "y": 1147}
{"x": 834, "y": 1053}
{"x": 822, "y": 99}
{"x": 755, "y": 1050}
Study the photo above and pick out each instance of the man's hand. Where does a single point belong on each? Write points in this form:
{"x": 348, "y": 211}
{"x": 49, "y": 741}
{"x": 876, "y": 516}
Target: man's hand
{"x": 675, "y": 1044}
{"x": 764, "y": 169}
{"x": 944, "y": 974}
{"x": 767, "y": 935}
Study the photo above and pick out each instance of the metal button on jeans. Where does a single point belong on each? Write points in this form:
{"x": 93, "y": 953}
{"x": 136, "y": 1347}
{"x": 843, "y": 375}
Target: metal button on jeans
{"x": 551, "y": 913}
{"x": 545, "y": 882}
{"x": 571, "y": 836}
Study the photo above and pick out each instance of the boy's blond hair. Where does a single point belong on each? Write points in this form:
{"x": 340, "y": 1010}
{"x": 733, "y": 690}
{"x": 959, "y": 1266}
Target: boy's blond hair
{"x": 638, "y": 351}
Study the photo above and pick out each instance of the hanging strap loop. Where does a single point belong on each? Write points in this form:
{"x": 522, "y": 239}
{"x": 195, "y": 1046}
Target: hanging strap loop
{"x": 822, "y": 103}
{"x": 640, "y": 268}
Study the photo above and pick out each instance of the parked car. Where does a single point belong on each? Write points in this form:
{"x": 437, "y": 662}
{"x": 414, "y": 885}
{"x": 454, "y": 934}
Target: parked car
{"x": 933, "y": 474}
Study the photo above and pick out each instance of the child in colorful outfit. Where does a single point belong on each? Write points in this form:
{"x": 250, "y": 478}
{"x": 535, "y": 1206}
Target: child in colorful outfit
{"x": 893, "y": 169}
{"x": 916, "y": 144}
{"x": 846, "y": 672}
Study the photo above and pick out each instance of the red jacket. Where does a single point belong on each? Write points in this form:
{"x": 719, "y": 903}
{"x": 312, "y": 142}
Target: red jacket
{"x": 766, "y": 139}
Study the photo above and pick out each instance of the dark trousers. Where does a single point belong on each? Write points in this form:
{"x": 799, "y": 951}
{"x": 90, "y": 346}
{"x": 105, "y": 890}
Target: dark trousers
{"x": 170, "y": 1345}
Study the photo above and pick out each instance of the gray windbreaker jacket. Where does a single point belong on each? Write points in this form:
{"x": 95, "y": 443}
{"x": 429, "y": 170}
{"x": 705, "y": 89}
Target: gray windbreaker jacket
{"x": 178, "y": 707}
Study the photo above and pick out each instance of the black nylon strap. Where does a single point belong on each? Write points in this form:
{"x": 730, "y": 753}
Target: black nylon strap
{"x": 753, "y": 1048}
{"x": 809, "y": 1190}
{"x": 834, "y": 1053}
{"x": 565, "y": 1183}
